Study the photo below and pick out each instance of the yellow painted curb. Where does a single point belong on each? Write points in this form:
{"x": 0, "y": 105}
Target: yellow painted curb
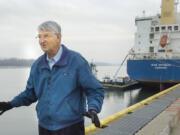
{"x": 129, "y": 109}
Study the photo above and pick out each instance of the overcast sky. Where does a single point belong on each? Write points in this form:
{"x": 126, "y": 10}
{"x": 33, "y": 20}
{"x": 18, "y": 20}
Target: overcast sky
{"x": 101, "y": 30}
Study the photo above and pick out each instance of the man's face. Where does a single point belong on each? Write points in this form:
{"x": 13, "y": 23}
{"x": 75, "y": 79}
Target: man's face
{"x": 49, "y": 41}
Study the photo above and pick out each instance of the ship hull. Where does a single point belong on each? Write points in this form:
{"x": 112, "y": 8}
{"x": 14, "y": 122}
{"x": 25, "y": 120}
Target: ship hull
{"x": 154, "y": 71}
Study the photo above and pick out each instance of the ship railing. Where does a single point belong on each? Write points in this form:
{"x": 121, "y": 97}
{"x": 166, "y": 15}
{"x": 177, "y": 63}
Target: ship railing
{"x": 144, "y": 56}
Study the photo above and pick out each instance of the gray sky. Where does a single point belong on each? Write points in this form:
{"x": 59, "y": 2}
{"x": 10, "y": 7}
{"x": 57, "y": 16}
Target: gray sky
{"x": 102, "y": 30}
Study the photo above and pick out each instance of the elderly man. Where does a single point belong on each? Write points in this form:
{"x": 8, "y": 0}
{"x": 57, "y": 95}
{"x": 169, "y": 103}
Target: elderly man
{"x": 61, "y": 81}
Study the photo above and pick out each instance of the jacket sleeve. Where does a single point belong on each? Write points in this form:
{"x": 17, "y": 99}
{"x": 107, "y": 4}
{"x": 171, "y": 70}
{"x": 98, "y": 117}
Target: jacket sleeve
{"x": 93, "y": 89}
{"x": 26, "y": 97}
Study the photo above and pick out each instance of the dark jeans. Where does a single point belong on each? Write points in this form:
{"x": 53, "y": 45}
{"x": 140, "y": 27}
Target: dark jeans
{"x": 76, "y": 129}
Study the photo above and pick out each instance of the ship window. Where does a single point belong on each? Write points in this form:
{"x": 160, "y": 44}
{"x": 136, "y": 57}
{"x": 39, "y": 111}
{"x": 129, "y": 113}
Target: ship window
{"x": 152, "y": 29}
{"x": 151, "y": 36}
{"x": 157, "y": 29}
{"x": 169, "y": 27}
{"x": 163, "y": 28}
{"x": 150, "y": 41}
{"x": 151, "y": 49}
{"x": 176, "y": 28}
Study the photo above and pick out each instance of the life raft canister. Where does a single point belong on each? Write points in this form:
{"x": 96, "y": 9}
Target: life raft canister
{"x": 163, "y": 41}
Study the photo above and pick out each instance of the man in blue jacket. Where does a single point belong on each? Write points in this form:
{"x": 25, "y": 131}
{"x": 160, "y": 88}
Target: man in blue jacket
{"x": 61, "y": 81}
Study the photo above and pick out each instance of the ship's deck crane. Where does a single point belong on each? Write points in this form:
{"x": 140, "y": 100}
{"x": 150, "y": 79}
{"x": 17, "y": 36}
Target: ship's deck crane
{"x": 114, "y": 77}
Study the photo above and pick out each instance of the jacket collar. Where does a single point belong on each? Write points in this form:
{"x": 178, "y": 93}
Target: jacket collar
{"x": 61, "y": 62}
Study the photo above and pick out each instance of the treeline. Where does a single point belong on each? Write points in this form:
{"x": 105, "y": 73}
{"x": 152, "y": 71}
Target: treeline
{"x": 16, "y": 62}
{"x": 28, "y": 62}
{"x": 105, "y": 64}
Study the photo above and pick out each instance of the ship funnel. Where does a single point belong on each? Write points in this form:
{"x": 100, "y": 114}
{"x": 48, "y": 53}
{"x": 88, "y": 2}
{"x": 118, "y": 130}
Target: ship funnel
{"x": 168, "y": 12}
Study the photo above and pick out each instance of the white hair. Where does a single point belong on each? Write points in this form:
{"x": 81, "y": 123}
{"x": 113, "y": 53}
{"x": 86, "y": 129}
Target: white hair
{"x": 50, "y": 26}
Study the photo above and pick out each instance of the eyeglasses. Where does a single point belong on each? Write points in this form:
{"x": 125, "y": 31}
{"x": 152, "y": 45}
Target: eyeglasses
{"x": 45, "y": 36}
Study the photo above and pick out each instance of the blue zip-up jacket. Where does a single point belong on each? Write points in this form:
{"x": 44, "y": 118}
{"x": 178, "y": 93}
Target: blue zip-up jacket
{"x": 61, "y": 92}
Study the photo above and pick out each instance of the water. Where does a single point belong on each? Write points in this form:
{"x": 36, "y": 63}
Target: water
{"x": 23, "y": 120}
{"x": 110, "y": 71}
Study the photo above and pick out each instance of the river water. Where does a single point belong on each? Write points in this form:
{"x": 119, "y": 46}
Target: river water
{"x": 23, "y": 120}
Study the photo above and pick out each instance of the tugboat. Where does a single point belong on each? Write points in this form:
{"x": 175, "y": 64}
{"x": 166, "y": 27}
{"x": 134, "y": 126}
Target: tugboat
{"x": 93, "y": 69}
{"x": 155, "y": 56}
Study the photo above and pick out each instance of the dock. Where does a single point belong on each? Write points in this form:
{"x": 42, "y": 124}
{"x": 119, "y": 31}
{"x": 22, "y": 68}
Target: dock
{"x": 156, "y": 115}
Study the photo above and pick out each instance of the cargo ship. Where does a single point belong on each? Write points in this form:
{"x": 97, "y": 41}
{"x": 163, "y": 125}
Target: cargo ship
{"x": 155, "y": 56}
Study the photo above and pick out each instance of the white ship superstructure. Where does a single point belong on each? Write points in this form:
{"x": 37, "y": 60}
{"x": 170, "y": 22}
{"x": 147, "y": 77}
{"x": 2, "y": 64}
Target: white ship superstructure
{"x": 155, "y": 56}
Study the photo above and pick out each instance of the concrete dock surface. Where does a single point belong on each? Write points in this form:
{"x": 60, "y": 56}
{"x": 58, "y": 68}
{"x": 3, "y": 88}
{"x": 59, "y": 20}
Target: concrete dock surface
{"x": 159, "y": 117}
{"x": 176, "y": 130}
{"x": 165, "y": 123}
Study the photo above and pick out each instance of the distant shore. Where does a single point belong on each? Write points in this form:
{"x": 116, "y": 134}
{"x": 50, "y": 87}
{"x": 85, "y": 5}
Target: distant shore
{"x": 15, "y": 62}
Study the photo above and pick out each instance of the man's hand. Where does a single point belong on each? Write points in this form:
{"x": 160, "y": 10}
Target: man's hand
{"x": 4, "y": 106}
{"x": 93, "y": 115}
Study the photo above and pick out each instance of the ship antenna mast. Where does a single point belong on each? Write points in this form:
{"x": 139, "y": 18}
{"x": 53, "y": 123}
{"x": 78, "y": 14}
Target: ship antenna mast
{"x": 176, "y": 5}
{"x": 144, "y": 13}
{"x": 177, "y": 2}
